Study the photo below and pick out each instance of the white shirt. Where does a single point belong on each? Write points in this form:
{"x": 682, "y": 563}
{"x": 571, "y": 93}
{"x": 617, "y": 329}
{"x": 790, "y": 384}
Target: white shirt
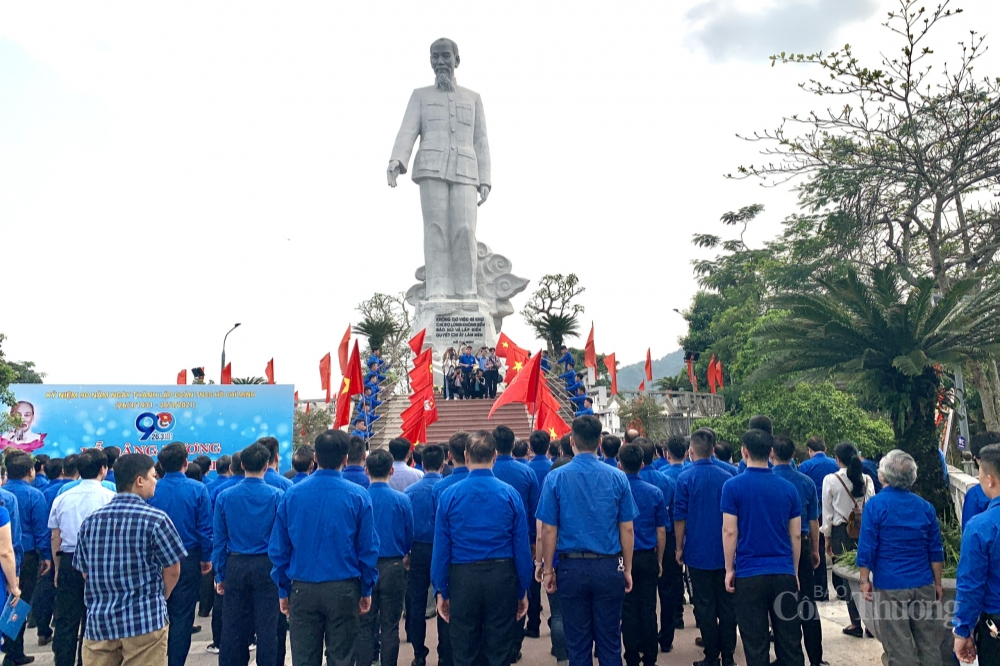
{"x": 72, "y": 507}
{"x": 838, "y": 503}
{"x": 403, "y": 476}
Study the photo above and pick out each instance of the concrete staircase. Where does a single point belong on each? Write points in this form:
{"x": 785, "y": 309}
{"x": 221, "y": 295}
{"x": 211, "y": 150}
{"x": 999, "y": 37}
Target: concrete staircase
{"x": 453, "y": 415}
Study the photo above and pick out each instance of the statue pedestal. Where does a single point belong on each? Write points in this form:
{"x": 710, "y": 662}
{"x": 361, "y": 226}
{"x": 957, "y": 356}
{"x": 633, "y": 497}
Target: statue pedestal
{"x": 455, "y": 323}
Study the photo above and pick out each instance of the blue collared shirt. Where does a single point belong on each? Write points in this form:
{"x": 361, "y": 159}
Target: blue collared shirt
{"x": 699, "y": 502}
{"x": 763, "y": 504}
{"x": 189, "y": 507}
{"x": 667, "y": 487}
{"x": 586, "y": 411}
{"x": 393, "y": 516}
{"x": 871, "y": 469}
{"x": 325, "y": 514}
{"x": 403, "y": 476}
{"x": 818, "y": 468}
{"x": 226, "y": 485}
{"x": 587, "y": 500}
{"x": 300, "y": 477}
{"x": 40, "y": 481}
{"x": 356, "y": 474}
{"x": 34, "y": 518}
{"x": 458, "y": 474}
{"x": 673, "y": 471}
{"x": 978, "y": 581}
{"x": 807, "y": 493}
{"x": 480, "y": 519}
{"x": 421, "y": 496}
{"x": 244, "y": 516}
{"x": 565, "y": 358}
{"x": 51, "y": 491}
{"x": 541, "y": 466}
{"x": 975, "y": 503}
{"x": 900, "y": 539}
{"x": 524, "y": 481}
{"x": 275, "y": 480}
{"x": 652, "y": 512}
{"x": 123, "y": 590}
{"x": 467, "y": 362}
{"x": 660, "y": 463}
{"x": 726, "y": 466}
{"x": 213, "y": 486}
{"x": 611, "y": 461}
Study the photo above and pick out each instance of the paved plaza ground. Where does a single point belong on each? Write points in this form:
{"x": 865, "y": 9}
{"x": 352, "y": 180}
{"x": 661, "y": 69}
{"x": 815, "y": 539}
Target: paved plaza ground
{"x": 840, "y": 650}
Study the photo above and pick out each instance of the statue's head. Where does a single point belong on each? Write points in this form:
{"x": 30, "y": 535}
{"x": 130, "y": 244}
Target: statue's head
{"x": 444, "y": 60}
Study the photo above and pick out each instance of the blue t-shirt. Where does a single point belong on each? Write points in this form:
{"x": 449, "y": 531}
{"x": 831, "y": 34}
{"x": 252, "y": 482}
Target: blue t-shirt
{"x": 975, "y": 503}
{"x": 977, "y": 588}
{"x": 763, "y": 504}
{"x": 652, "y": 512}
{"x": 697, "y": 502}
{"x": 818, "y": 468}
{"x": 807, "y": 493}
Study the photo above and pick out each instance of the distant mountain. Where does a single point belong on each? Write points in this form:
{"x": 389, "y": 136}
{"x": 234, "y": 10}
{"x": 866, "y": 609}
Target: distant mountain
{"x": 629, "y": 376}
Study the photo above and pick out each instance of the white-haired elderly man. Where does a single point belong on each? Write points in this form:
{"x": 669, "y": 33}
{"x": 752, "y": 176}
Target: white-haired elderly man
{"x": 900, "y": 554}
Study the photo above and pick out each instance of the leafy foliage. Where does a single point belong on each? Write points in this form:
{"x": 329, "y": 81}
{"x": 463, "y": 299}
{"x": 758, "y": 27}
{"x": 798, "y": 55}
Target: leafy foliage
{"x": 644, "y": 414}
{"x": 387, "y": 322}
{"x": 309, "y": 425}
{"x": 552, "y": 311}
{"x": 249, "y": 380}
{"x": 13, "y": 372}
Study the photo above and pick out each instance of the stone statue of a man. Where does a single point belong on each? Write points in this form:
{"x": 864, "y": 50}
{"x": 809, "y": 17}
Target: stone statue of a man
{"x": 452, "y": 166}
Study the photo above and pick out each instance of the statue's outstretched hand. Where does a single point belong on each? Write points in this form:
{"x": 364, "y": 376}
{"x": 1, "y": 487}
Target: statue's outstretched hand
{"x": 484, "y": 191}
{"x": 392, "y": 172}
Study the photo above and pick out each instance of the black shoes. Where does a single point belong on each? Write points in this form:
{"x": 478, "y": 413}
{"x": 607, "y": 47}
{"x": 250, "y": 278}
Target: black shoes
{"x": 531, "y": 633}
{"x": 856, "y": 632}
{"x": 44, "y": 640}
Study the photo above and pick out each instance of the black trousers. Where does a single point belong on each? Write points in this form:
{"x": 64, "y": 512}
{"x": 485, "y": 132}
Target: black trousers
{"x": 639, "y": 611}
{"x": 180, "y": 608}
{"x": 812, "y": 628}
{"x": 324, "y": 612}
{"x": 70, "y": 613}
{"x": 534, "y": 622}
{"x": 251, "y": 607}
{"x": 987, "y": 647}
{"x": 483, "y": 611}
{"x": 43, "y": 603}
{"x": 715, "y": 611}
{"x": 206, "y": 595}
{"x": 26, "y": 581}
{"x": 670, "y": 587}
{"x": 418, "y": 583}
{"x": 821, "y": 582}
{"x": 217, "y": 607}
{"x": 773, "y": 598}
{"x": 387, "y": 609}
{"x": 492, "y": 379}
{"x": 841, "y": 543}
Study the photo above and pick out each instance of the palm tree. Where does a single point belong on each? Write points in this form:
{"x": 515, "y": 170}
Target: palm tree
{"x": 376, "y": 330}
{"x": 249, "y": 380}
{"x": 891, "y": 340}
{"x": 555, "y": 328}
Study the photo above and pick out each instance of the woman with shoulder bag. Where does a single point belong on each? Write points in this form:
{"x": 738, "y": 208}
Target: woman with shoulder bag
{"x": 844, "y": 496}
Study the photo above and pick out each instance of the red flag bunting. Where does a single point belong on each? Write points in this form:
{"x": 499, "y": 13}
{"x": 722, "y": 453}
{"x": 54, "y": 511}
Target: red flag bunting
{"x": 691, "y": 376}
{"x": 524, "y": 387}
{"x": 182, "y": 377}
{"x": 590, "y": 352}
{"x": 612, "y": 365}
{"x": 504, "y": 344}
{"x": 355, "y": 379}
{"x": 718, "y": 375}
{"x": 548, "y": 419}
{"x": 342, "y": 350}
{"x": 417, "y": 433}
{"x": 649, "y": 366}
{"x": 642, "y": 386}
{"x": 324, "y": 375}
{"x": 344, "y": 404}
{"x": 711, "y": 374}
{"x": 417, "y": 342}
{"x": 516, "y": 359}
{"x": 269, "y": 371}
{"x": 227, "y": 374}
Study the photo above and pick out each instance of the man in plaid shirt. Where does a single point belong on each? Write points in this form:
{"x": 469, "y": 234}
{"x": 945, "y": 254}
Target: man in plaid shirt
{"x": 130, "y": 555}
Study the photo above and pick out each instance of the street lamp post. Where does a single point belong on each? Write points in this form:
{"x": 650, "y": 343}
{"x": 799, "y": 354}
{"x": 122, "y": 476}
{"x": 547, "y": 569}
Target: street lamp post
{"x": 224, "y": 345}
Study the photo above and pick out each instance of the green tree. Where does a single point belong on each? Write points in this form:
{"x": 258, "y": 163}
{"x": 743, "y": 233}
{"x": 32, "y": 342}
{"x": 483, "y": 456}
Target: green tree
{"x": 889, "y": 340}
{"x": 552, "y": 311}
{"x": 903, "y": 168}
{"x": 308, "y": 425}
{"x": 645, "y": 414}
{"x": 388, "y": 324}
{"x": 603, "y": 376}
{"x": 13, "y": 372}
{"x": 249, "y": 380}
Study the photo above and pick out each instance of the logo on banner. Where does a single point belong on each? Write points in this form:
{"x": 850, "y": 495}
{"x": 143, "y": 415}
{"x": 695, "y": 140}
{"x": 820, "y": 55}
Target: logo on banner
{"x": 155, "y": 427}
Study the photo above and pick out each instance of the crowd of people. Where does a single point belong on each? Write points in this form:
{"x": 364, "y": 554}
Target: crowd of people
{"x": 607, "y": 528}
{"x": 469, "y": 376}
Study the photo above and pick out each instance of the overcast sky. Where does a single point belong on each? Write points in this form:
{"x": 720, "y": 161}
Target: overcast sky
{"x": 168, "y": 170}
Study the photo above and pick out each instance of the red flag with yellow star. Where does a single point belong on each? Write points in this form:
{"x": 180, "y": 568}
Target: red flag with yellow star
{"x": 548, "y": 418}
{"x": 356, "y": 383}
{"x": 416, "y": 433}
{"x": 504, "y": 344}
{"x": 422, "y": 374}
{"x": 344, "y": 404}
{"x": 516, "y": 360}
{"x": 525, "y": 386}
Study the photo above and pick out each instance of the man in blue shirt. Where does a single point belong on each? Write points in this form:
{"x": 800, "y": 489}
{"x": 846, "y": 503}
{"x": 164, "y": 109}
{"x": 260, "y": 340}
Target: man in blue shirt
{"x": 977, "y": 599}
{"x": 60, "y": 472}
{"x": 36, "y": 562}
{"x": 244, "y": 516}
{"x": 236, "y": 475}
{"x": 870, "y": 469}
{"x": 566, "y": 360}
{"x": 393, "y": 518}
{"x": 817, "y": 468}
{"x": 587, "y": 511}
{"x": 674, "y": 452}
{"x": 355, "y": 469}
{"x": 360, "y": 429}
{"x": 610, "y": 445}
{"x": 187, "y": 504}
{"x": 761, "y": 532}
{"x": 524, "y": 481}
{"x": 422, "y": 500}
{"x": 541, "y": 465}
{"x": 481, "y": 565}
{"x": 639, "y": 610}
{"x": 302, "y": 463}
{"x": 698, "y": 538}
{"x": 545, "y": 361}
{"x": 41, "y": 479}
{"x": 112, "y": 453}
{"x": 670, "y": 584}
{"x": 587, "y": 409}
{"x": 324, "y": 596}
{"x": 271, "y": 475}
{"x": 812, "y": 629}
{"x": 975, "y": 499}
{"x": 222, "y": 471}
